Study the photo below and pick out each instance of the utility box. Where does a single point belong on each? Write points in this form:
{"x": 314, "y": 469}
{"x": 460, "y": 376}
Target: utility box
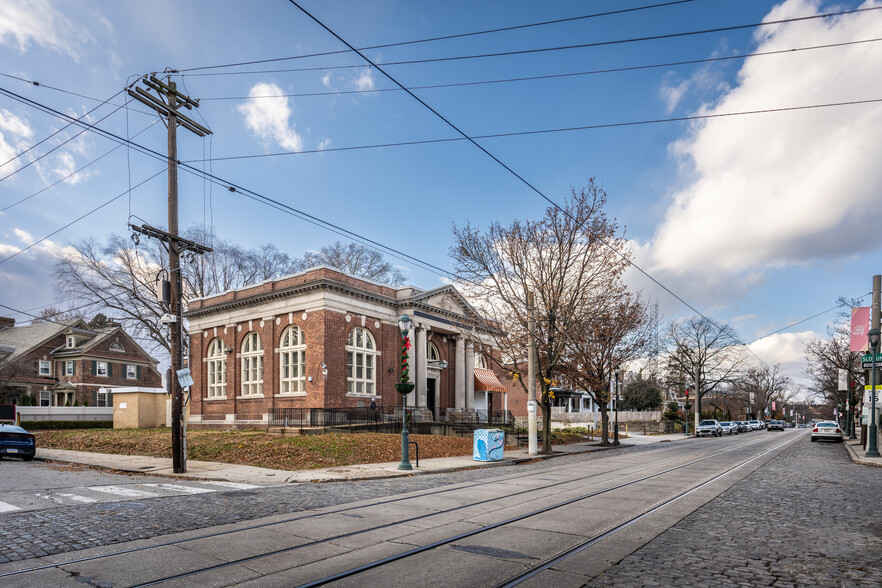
{"x": 488, "y": 445}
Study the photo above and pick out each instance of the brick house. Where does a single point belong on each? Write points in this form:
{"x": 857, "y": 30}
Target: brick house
{"x": 325, "y": 339}
{"x": 63, "y": 363}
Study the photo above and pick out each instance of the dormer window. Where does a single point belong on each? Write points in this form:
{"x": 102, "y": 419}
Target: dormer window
{"x": 117, "y": 347}
{"x": 71, "y": 342}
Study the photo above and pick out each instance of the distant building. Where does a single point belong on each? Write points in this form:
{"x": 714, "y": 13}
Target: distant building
{"x": 59, "y": 364}
{"x": 325, "y": 339}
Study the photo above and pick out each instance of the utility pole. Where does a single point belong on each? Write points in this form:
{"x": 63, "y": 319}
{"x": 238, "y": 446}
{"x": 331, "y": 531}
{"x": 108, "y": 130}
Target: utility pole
{"x": 532, "y": 436}
{"x": 697, "y": 394}
{"x": 167, "y": 103}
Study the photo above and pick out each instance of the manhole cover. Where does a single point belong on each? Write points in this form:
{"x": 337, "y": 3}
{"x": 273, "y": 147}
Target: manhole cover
{"x": 114, "y": 506}
{"x": 493, "y": 552}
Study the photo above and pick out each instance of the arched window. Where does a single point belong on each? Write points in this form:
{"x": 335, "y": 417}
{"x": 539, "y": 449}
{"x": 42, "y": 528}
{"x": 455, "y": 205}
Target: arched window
{"x": 217, "y": 369}
{"x": 252, "y": 365}
{"x": 361, "y": 355}
{"x": 432, "y": 352}
{"x": 292, "y": 361}
{"x": 117, "y": 347}
{"x": 480, "y": 362}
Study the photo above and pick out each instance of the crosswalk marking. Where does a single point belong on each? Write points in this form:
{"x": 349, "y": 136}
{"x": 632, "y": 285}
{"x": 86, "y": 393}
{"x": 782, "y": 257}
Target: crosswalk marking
{"x": 7, "y": 507}
{"x": 77, "y": 497}
{"x": 184, "y": 489}
{"x": 124, "y": 491}
{"x": 235, "y": 485}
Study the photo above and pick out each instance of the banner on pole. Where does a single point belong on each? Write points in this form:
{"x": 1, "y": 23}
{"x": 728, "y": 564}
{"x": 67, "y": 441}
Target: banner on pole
{"x": 860, "y": 326}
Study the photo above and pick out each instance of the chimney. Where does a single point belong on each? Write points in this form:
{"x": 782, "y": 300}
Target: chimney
{"x": 6, "y": 322}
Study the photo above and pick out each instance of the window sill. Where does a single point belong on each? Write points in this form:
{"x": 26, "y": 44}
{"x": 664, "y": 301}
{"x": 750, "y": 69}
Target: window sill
{"x": 250, "y": 397}
{"x": 290, "y": 395}
{"x": 359, "y": 395}
{"x": 213, "y": 398}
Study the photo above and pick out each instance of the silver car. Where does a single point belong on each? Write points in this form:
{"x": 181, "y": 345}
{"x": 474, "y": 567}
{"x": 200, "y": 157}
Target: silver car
{"x": 729, "y": 427}
{"x": 826, "y": 430}
{"x": 755, "y": 425}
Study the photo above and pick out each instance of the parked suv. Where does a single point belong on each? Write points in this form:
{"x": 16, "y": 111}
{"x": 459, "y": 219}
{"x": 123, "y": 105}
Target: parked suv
{"x": 709, "y": 427}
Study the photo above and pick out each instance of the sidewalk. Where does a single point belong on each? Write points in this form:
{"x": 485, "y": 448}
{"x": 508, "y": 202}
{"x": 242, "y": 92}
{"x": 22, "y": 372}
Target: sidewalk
{"x": 858, "y": 453}
{"x": 209, "y": 470}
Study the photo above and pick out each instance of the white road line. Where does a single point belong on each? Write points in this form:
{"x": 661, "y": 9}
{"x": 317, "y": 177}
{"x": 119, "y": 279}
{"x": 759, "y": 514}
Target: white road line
{"x": 4, "y": 507}
{"x": 124, "y": 491}
{"x": 76, "y": 497}
{"x": 235, "y": 485}
{"x": 182, "y": 489}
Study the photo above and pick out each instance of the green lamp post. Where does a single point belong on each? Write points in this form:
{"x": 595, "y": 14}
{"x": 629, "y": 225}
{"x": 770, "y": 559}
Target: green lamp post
{"x": 872, "y": 444}
{"x": 404, "y": 387}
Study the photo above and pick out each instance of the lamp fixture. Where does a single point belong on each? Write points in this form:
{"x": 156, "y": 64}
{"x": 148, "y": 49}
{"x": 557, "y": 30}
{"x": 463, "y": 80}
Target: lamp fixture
{"x": 324, "y": 369}
{"x": 229, "y": 350}
{"x": 404, "y": 324}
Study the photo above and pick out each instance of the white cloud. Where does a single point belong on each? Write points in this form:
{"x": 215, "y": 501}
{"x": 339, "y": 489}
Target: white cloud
{"x": 65, "y": 166}
{"x": 23, "y": 22}
{"x": 270, "y": 118}
{"x": 780, "y": 189}
{"x": 365, "y": 81}
{"x": 326, "y": 80}
{"x": 323, "y": 144}
{"x": 23, "y": 236}
{"x": 13, "y": 132}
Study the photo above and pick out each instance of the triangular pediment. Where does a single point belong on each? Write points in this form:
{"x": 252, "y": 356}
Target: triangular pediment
{"x": 449, "y": 299}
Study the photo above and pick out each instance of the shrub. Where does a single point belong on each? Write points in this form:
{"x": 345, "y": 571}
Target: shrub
{"x": 42, "y": 425}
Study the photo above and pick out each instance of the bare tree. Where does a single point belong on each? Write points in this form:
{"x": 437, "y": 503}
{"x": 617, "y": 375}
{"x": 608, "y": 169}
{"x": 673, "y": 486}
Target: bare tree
{"x": 765, "y": 385}
{"x": 702, "y": 356}
{"x": 615, "y": 332}
{"x": 55, "y": 315}
{"x": 827, "y": 355}
{"x": 566, "y": 261}
{"x": 356, "y": 260}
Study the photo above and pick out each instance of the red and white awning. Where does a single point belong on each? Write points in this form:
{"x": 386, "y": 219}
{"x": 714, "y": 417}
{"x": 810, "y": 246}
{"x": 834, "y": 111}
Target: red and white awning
{"x": 486, "y": 381}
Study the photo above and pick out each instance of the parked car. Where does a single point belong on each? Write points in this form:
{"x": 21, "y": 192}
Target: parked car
{"x": 775, "y": 426}
{"x": 729, "y": 427}
{"x": 743, "y": 426}
{"x": 802, "y": 426}
{"x": 826, "y": 430}
{"x": 755, "y": 425}
{"x": 709, "y": 427}
{"x": 16, "y": 442}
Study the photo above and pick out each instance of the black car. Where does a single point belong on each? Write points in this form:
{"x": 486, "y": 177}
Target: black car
{"x": 16, "y": 442}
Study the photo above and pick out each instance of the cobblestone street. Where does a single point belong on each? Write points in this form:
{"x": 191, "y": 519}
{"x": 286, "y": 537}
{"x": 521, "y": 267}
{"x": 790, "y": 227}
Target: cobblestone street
{"x": 808, "y": 518}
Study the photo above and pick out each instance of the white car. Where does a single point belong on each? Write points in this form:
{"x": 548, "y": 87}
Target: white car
{"x": 709, "y": 427}
{"x": 755, "y": 425}
{"x": 826, "y": 430}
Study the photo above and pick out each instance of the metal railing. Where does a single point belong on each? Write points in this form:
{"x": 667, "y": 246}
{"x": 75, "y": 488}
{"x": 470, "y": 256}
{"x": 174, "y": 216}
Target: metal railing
{"x": 302, "y": 418}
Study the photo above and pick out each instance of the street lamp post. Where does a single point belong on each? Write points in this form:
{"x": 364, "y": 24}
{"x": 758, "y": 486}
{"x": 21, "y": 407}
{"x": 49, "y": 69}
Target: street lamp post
{"x": 872, "y": 446}
{"x": 851, "y": 434}
{"x": 616, "y": 429}
{"x": 404, "y": 387}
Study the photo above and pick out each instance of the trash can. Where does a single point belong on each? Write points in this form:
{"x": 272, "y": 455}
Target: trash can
{"x": 488, "y": 445}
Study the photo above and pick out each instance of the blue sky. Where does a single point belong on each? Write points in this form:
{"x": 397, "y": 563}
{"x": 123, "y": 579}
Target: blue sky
{"x": 758, "y": 221}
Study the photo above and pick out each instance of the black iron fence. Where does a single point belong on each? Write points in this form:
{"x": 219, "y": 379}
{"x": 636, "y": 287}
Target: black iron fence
{"x": 302, "y": 418}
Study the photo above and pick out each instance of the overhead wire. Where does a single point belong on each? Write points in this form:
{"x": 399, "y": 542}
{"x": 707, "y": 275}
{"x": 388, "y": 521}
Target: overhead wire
{"x": 231, "y": 186}
{"x": 549, "y": 49}
{"x": 513, "y": 172}
{"x": 550, "y": 76}
{"x": 439, "y": 38}
{"x": 554, "y": 130}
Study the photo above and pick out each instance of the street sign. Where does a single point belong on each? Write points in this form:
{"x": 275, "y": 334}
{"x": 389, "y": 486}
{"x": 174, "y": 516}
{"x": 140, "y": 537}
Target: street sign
{"x": 869, "y": 357}
{"x": 184, "y": 377}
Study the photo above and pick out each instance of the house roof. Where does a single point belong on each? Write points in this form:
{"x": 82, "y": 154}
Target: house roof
{"x": 25, "y": 338}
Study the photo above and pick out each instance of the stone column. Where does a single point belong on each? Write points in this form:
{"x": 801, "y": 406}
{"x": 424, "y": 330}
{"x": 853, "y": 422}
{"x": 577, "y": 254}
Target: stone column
{"x": 470, "y": 375}
{"x": 459, "y": 372}
{"x": 422, "y": 365}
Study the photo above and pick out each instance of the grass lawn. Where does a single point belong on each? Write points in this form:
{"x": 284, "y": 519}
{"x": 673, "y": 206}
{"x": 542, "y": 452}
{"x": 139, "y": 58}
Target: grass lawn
{"x": 257, "y": 448}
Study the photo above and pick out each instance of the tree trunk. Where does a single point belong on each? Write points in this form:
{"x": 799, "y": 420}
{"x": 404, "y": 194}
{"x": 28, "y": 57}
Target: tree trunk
{"x": 546, "y": 423}
{"x": 604, "y": 425}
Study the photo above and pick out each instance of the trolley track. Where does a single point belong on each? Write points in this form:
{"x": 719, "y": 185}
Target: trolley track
{"x": 545, "y": 471}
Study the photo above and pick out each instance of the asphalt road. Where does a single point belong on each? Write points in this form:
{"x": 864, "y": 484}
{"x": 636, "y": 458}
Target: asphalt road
{"x": 766, "y": 522}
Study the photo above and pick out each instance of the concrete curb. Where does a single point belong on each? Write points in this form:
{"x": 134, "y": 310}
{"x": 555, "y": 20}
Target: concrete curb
{"x": 856, "y": 454}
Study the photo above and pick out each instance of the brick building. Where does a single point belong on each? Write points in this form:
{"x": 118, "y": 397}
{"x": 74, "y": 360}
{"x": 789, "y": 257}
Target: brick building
{"x": 325, "y": 339}
{"x": 66, "y": 362}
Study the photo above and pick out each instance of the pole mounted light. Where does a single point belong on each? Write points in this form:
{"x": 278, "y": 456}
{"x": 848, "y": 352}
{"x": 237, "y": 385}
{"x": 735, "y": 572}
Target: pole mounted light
{"x": 873, "y": 445}
{"x": 404, "y": 387}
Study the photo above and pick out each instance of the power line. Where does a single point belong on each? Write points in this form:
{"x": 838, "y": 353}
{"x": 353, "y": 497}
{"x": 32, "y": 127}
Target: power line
{"x": 441, "y": 38}
{"x": 78, "y": 219}
{"x": 555, "y": 130}
{"x": 38, "y": 143}
{"x": 75, "y": 172}
{"x": 799, "y": 322}
{"x": 552, "y": 76}
{"x": 551, "y": 49}
{"x": 512, "y": 171}
{"x": 231, "y": 186}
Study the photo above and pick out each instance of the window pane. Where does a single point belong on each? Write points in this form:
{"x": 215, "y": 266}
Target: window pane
{"x": 358, "y": 387}
{"x": 368, "y": 342}
{"x": 359, "y": 338}
{"x": 369, "y": 387}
